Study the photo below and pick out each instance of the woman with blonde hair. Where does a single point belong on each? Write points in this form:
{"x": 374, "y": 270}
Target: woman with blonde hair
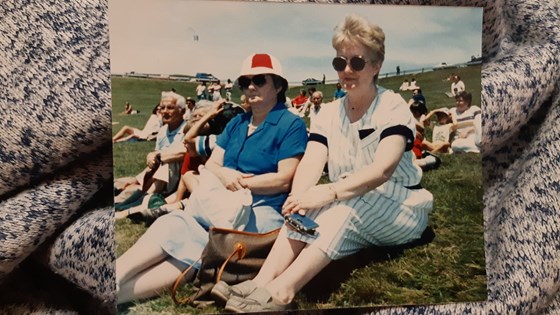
{"x": 374, "y": 197}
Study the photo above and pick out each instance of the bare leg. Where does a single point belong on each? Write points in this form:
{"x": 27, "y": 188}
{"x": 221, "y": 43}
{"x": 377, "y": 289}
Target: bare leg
{"x": 152, "y": 281}
{"x": 155, "y": 186}
{"x": 307, "y": 265}
{"x": 145, "y": 253}
{"x": 125, "y": 130}
{"x": 127, "y": 192}
{"x": 282, "y": 254}
{"x": 122, "y": 182}
{"x": 132, "y": 210}
{"x": 124, "y": 139}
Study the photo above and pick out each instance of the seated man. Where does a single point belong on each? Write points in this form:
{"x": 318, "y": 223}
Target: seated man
{"x": 315, "y": 105}
{"x": 207, "y": 121}
{"x": 164, "y": 163}
{"x": 418, "y": 97}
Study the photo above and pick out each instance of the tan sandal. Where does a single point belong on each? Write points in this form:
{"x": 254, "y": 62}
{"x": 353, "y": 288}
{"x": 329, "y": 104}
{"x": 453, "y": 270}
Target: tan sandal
{"x": 222, "y": 291}
{"x": 259, "y": 300}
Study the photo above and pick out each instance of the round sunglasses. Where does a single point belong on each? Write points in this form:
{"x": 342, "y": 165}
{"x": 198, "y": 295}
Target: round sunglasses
{"x": 258, "y": 80}
{"x": 357, "y": 63}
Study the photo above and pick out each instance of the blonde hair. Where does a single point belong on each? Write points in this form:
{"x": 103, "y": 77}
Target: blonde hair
{"x": 356, "y": 29}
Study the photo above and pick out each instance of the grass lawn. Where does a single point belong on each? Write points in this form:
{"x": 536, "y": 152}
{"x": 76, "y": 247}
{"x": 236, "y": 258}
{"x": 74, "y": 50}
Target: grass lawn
{"x": 450, "y": 269}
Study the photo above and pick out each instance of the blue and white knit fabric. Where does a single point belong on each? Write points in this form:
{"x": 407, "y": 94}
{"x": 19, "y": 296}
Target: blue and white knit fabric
{"x": 55, "y": 156}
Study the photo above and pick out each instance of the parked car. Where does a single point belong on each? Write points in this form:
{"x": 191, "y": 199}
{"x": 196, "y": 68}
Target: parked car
{"x": 205, "y": 77}
{"x": 311, "y": 81}
{"x": 443, "y": 66}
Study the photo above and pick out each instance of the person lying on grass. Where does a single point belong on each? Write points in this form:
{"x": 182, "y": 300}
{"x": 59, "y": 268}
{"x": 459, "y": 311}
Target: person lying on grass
{"x": 148, "y": 133}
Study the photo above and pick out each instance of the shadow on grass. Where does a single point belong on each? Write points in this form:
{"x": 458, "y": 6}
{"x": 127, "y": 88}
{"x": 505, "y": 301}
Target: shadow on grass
{"x": 338, "y": 271}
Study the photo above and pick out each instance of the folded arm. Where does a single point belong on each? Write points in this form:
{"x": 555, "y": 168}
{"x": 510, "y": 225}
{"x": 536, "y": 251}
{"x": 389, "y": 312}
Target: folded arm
{"x": 263, "y": 184}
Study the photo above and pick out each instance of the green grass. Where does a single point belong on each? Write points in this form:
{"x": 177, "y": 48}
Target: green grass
{"x": 450, "y": 269}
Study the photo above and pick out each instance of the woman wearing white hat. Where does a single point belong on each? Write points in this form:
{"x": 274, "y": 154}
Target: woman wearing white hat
{"x": 258, "y": 150}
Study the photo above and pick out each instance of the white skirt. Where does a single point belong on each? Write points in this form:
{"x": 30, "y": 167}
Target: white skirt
{"x": 389, "y": 215}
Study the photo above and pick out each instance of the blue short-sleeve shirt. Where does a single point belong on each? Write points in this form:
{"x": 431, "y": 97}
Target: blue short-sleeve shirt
{"x": 280, "y": 136}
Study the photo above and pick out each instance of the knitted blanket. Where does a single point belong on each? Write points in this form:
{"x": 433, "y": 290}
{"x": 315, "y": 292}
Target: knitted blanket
{"x": 56, "y": 219}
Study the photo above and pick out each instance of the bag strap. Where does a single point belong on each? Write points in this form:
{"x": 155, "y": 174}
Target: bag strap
{"x": 185, "y": 300}
{"x": 239, "y": 249}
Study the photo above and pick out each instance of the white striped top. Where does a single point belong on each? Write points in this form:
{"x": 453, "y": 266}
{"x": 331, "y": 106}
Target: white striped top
{"x": 352, "y": 145}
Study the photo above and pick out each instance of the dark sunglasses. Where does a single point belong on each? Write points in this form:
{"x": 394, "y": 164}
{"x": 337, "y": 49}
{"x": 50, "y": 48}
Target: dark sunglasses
{"x": 258, "y": 80}
{"x": 357, "y": 63}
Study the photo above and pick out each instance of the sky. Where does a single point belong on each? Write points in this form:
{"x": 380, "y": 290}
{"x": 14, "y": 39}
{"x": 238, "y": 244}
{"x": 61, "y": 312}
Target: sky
{"x": 185, "y": 37}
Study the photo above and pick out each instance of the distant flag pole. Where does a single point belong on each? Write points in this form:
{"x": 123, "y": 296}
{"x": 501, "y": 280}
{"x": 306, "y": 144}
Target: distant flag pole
{"x": 195, "y": 35}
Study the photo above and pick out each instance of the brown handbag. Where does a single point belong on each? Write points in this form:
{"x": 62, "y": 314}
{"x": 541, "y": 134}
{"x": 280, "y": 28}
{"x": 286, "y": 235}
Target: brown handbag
{"x": 231, "y": 256}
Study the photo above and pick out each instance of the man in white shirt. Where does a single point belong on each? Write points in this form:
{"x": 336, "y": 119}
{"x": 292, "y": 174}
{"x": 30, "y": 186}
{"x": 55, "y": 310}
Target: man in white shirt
{"x": 164, "y": 163}
{"x": 316, "y": 104}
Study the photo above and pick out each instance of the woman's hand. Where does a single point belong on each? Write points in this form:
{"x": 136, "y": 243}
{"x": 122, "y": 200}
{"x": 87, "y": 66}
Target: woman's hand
{"x": 232, "y": 179}
{"x": 313, "y": 198}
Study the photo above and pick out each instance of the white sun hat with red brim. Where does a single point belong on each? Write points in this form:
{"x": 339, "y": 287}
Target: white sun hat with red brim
{"x": 261, "y": 64}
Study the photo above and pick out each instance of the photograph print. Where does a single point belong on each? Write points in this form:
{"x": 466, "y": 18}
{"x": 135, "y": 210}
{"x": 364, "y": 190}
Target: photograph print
{"x": 295, "y": 156}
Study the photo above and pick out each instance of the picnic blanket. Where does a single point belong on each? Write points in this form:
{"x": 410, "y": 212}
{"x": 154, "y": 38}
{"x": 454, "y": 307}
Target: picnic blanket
{"x": 56, "y": 225}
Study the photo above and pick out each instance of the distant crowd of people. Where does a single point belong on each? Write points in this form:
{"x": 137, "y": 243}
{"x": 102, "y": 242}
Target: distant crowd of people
{"x": 456, "y": 130}
{"x": 213, "y": 90}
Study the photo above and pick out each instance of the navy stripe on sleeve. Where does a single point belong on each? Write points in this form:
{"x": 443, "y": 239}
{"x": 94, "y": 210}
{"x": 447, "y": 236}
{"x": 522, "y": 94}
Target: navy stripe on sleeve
{"x": 365, "y": 132}
{"x": 319, "y": 138}
{"x": 207, "y": 148}
{"x": 399, "y": 130}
